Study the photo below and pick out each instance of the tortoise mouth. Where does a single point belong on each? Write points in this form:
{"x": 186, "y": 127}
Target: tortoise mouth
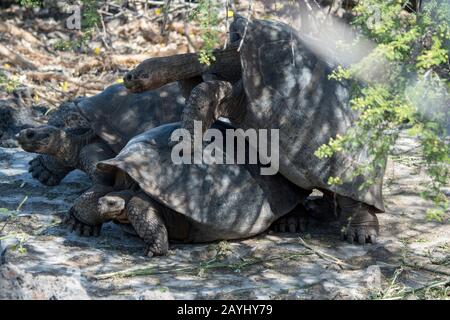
{"x": 110, "y": 206}
{"x": 33, "y": 147}
{"x": 136, "y": 85}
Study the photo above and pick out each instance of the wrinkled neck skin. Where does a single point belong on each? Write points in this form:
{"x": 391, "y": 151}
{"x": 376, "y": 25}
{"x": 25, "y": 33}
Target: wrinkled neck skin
{"x": 68, "y": 149}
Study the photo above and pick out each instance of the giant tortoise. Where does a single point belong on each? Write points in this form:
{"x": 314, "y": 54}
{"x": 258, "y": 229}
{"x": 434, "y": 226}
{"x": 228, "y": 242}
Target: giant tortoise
{"x": 184, "y": 202}
{"x": 80, "y": 134}
{"x": 285, "y": 86}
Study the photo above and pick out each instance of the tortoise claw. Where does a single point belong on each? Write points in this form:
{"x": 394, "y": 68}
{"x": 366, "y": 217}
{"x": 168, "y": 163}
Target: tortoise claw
{"x": 359, "y": 234}
{"x": 153, "y": 250}
{"x": 41, "y": 173}
{"x": 80, "y": 228}
{"x": 148, "y": 252}
{"x": 294, "y": 222}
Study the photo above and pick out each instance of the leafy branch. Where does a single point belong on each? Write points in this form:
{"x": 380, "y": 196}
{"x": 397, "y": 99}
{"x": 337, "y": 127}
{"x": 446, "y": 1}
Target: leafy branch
{"x": 413, "y": 93}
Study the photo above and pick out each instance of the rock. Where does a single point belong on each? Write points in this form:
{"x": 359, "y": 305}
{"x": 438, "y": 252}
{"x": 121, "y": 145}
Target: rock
{"x": 373, "y": 279}
{"x": 61, "y": 287}
{"x": 17, "y": 284}
{"x": 13, "y": 118}
{"x": 161, "y": 293}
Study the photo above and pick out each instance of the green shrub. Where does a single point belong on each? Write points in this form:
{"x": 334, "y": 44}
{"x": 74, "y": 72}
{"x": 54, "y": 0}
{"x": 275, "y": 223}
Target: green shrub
{"x": 413, "y": 95}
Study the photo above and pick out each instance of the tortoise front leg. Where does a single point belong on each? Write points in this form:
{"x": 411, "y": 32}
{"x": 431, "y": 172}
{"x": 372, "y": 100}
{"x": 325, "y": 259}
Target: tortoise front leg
{"x": 145, "y": 215}
{"x": 84, "y": 217}
{"x": 209, "y": 101}
{"x": 48, "y": 170}
{"x": 89, "y": 156}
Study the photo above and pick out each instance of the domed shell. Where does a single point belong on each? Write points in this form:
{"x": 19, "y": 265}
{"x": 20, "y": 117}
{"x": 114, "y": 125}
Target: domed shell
{"x": 117, "y": 115}
{"x": 226, "y": 201}
{"x": 288, "y": 88}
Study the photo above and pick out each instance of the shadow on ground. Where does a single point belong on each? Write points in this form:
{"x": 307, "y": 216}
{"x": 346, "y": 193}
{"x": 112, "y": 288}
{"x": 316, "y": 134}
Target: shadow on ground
{"x": 41, "y": 260}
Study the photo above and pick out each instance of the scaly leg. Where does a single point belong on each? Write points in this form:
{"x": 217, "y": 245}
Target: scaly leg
{"x": 83, "y": 216}
{"x": 90, "y": 155}
{"x": 48, "y": 170}
{"x": 359, "y": 222}
{"x": 210, "y": 100}
{"x": 145, "y": 215}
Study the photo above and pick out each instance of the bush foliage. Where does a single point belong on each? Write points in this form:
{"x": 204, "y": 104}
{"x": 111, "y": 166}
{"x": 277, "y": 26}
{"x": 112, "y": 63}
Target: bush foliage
{"x": 413, "y": 95}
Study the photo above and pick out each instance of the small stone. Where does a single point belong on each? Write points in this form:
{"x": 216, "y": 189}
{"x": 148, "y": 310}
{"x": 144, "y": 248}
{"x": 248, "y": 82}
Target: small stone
{"x": 373, "y": 278}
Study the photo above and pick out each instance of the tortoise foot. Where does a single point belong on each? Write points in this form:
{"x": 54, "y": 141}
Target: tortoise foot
{"x": 321, "y": 208}
{"x": 359, "y": 224}
{"x": 40, "y": 172}
{"x": 155, "y": 250}
{"x": 360, "y": 234}
{"x": 293, "y": 222}
{"x": 81, "y": 229}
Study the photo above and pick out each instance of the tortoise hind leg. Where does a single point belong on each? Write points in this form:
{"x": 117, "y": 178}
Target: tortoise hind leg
{"x": 359, "y": 222}
{"x": 145, "y": 214}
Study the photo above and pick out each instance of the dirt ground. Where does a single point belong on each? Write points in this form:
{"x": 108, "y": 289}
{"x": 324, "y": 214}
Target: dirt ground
{"x": 41, "y": 259}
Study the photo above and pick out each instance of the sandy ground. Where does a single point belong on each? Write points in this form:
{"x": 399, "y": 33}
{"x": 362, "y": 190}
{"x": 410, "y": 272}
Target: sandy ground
{"x": 42, "y": 260}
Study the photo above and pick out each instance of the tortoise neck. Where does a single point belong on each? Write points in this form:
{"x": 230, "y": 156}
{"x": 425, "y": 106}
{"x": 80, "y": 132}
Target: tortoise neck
{"x": 188, "y": 65}
{"x": 154, "y": 73}
{"x": 70, "y": 147}
{"x": 174, "y": 68}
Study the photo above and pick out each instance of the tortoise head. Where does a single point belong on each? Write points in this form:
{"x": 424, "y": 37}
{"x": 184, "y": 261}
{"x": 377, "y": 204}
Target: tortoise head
{"x": 113, "y": 204}
{"x": 44, "y": 139}
{"x": 156, "y": 72}
{"x": 148, "y": 75}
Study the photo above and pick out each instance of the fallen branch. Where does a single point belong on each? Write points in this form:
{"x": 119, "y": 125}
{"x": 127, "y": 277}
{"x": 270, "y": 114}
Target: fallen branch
{"x": 327, "y": 256}
{"x": 45, "y": 76}
{"x": 250, "y": 6}
{"x": 212, "y": 264}
{"x": 15, "y": 58}
{"x": 427, "y": 267}
{"x": 19, "y": 33}
{"x": 405, "y": 292}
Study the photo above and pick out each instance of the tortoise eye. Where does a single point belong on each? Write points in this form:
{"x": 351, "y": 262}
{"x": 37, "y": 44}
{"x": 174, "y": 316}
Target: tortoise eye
{"x": 128, "y": 77}
{"x": 111, "y": 203}
{"x": 30, "y": 134}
